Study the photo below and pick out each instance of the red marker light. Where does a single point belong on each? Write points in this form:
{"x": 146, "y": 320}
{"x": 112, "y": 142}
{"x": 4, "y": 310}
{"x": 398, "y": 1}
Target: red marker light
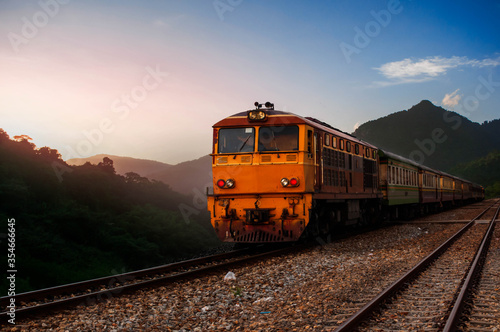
{"x": 221, "y": 183}
{"x": 294, "y": 182}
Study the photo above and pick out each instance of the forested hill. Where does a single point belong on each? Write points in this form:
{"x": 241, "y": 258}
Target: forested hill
{"x": 80, "y": 222}
{"x": 433, "y": 136}
{"x": 189, "y": 177}
{"x": 124, "y": 165}
{"x": 485, "y": 170}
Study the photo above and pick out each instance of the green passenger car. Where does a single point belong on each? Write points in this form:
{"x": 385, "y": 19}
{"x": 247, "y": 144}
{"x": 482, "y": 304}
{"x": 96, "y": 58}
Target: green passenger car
{"x": 398, "y": 180}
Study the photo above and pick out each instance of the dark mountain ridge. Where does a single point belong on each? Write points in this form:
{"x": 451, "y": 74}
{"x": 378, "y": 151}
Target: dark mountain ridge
{"x": 143, "y": 167}
{"x": 189, "y": 177}
{"x": 432, "y": 136}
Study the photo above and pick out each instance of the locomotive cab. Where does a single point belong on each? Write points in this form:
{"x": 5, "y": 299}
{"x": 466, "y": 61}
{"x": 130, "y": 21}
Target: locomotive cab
{"x": 262, "y": 171}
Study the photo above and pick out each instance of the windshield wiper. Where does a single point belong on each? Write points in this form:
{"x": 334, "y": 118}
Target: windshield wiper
{"x": 244, "y": 143}
{"x": 275, "y": 143}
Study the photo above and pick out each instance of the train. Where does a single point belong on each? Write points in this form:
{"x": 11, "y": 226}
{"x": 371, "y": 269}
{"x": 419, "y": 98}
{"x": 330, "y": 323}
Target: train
{"x": 278, "y": 176}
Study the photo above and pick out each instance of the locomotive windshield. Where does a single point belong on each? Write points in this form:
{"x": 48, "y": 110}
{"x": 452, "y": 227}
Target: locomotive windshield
{"x": 284, "y": 138}
{"x": 234, "y": 140}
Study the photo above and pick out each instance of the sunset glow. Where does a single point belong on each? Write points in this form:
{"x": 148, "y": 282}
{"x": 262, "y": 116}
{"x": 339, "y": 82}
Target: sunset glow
{"x": 149, "y": 79}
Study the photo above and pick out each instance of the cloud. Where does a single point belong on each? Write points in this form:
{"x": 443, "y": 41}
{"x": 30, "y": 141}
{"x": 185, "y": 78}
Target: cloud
{"x": 169, "y": 22}
{"x": 422, "y": 70}
{"x": 452, "y": 99}
{"x": 159, "y": 23}
{"x": 356, "y": 126}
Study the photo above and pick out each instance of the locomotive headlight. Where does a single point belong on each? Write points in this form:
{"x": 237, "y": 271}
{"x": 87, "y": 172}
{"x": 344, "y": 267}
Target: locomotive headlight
{"x": 256, "y": 115}
{"x": 285, "y": 182}
{"x": 230, "y": 183}
{"x": 293, "y": 182}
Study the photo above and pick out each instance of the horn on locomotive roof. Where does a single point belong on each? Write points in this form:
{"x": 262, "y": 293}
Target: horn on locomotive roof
{"x": 268, "y": 105}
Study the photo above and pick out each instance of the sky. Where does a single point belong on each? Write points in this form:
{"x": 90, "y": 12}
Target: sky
{"x": 148, "y": 79}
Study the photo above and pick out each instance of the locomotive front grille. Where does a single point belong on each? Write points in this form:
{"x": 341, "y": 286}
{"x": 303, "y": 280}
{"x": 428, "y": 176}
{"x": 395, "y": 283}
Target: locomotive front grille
{"x": 259, "y": 236}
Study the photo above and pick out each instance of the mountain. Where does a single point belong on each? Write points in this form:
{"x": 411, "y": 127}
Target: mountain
{"x": 493, "y": 129}
{"x": 432, "y": 136}
{"x": 188, "y": 177}
{"x": 124, "y": 165}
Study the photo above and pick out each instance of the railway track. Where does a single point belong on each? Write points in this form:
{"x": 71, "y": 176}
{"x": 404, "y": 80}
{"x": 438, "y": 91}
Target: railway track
{"x": 96, "y": 290}
{"x": 432, "y": 295}
{"x": 478, "y": 305}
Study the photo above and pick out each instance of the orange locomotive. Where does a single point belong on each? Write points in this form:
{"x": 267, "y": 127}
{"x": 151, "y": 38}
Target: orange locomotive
{"x": 276, "y": 174}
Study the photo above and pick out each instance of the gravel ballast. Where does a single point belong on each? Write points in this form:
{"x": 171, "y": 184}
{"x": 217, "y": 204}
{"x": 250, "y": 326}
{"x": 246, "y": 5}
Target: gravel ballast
{"x": 312, "y": 290}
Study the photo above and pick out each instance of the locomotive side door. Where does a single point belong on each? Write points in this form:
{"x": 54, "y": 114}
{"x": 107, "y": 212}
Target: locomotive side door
{"x": 317, "y": 161}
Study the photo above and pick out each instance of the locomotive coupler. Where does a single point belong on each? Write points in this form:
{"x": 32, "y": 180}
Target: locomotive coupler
{"x": 258, "y": 216}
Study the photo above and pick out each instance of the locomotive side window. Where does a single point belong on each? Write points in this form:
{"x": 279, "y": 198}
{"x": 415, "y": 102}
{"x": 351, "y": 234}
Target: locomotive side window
{"x": 284, "y": 138}
{"x": 234, "y": 140}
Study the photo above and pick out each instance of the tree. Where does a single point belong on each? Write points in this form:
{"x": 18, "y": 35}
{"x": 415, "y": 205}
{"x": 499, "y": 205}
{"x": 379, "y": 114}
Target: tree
{"x": 3, "y": 136}
{"x": 49, "y": 154}
{"x": 132, "y": 177}
{"x": 107, "y": 165}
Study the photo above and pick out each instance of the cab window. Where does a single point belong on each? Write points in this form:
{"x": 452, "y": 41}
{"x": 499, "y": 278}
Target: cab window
{"x": 235, "y": 140}
{"x": 284, "y": 138}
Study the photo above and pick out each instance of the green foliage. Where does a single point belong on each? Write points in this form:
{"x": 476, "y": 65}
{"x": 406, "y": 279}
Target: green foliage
{"x": 82, "y": 222}
{"x": 484, "y": 171}
{"x": 493, "y": 190}
{"x": 236, "y": 290}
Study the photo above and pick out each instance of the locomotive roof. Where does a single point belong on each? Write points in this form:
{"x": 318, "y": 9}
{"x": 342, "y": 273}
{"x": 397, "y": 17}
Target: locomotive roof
{"x": 284, "y": 118}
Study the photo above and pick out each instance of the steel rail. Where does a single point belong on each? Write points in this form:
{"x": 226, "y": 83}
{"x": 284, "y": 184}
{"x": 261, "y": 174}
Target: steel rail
{"x": 115, "y": 279}
{"x": 352, "y": 322}
{"x": 103, "y": 295}
{"x": 474, "y": 270}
